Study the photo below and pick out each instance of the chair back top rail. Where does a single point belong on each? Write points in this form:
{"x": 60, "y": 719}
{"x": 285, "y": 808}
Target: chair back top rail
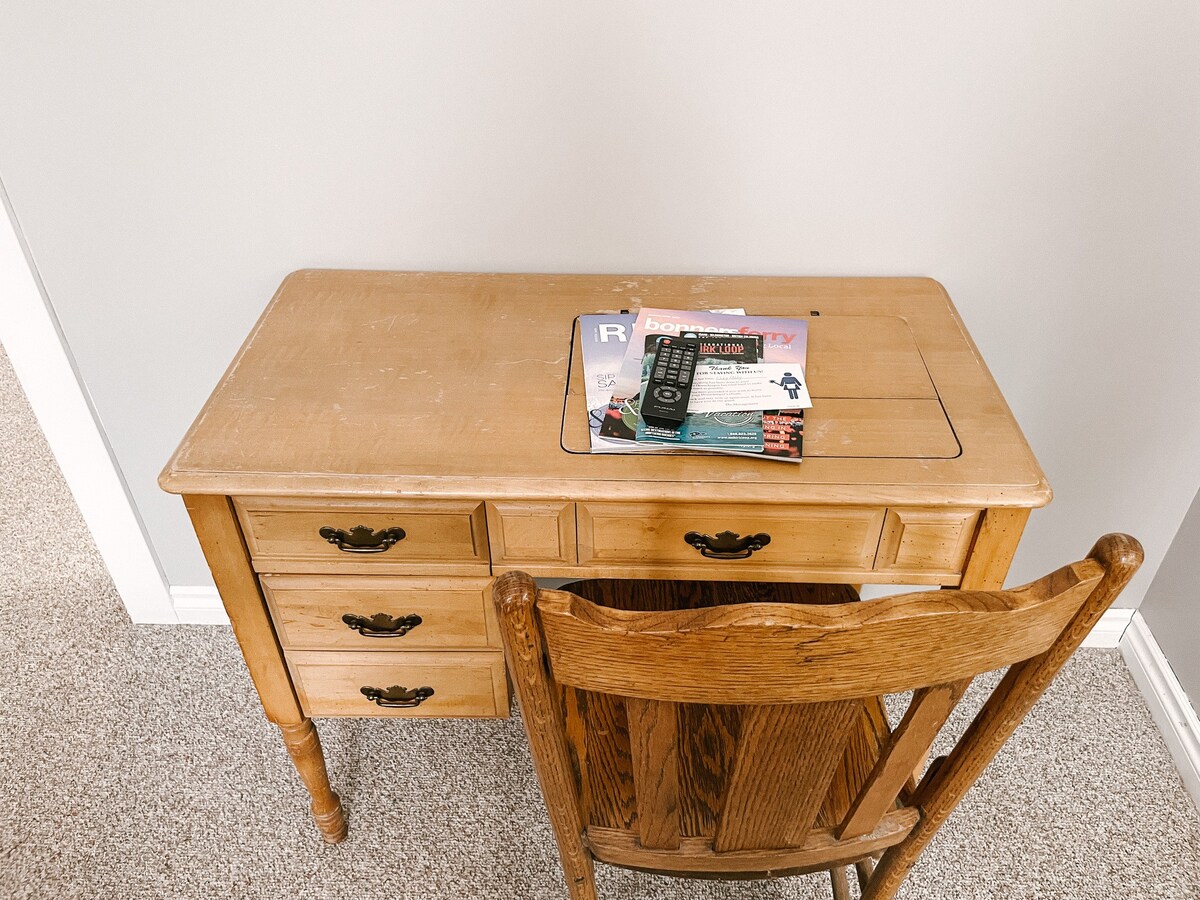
{"x": 775, "y": 653}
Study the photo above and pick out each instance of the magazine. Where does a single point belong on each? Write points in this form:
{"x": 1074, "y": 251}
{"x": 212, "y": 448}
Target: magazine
{"x": 784, "y": 341}
{"x": 603, "y": 339}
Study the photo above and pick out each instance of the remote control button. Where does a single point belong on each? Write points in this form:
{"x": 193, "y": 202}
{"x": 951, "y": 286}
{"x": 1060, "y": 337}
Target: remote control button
{"x": 666, "y": 394}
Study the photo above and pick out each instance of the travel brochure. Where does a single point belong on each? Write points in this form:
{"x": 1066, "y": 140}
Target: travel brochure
{"x": 748, "y": 394}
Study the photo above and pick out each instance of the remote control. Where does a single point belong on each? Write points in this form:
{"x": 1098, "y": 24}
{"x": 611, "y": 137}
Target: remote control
{"x": 666, "y": 400}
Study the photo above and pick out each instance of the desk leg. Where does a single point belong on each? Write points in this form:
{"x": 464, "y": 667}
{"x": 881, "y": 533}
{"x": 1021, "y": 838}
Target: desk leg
{"x": 304, "y": 745}
{"x": 992, "y": 553}
{"x": 221, "y": 539}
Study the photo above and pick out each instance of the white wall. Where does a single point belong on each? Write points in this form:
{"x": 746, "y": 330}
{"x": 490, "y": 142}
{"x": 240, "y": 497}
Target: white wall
{"x": 1172, "y": 610}
{"x": 170, "y": 163}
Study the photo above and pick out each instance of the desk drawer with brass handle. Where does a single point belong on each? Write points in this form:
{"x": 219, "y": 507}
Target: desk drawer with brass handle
{"x": 380, "y": 612}
{"x": 410, "y": 537}
{"x": 727, "y": 541}
{"x": 421, "y": 684}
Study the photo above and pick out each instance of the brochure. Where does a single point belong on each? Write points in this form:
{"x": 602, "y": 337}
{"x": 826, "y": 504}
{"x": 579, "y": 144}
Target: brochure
{"x": 719, "y": 386}
{"x": 716, "y": 429}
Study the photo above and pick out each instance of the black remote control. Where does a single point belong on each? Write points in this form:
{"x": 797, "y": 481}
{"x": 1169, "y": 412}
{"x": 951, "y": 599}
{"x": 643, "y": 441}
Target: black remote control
{"x": 666, "y": 399}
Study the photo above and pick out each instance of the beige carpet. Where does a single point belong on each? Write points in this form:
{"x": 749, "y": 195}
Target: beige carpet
{"x": 135, "y": 762}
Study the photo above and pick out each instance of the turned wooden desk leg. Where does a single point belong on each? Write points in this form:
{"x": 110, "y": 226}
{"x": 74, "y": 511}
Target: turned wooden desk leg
{"x": 304, "y": 745}
{"x": 221, "y": 539}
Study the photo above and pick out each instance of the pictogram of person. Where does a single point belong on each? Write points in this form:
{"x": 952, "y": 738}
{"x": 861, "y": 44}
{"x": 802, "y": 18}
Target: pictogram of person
{"x": 791, "y": 384}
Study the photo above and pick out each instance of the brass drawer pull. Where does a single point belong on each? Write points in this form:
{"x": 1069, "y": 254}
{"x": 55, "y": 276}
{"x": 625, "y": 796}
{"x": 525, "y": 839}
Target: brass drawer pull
{"x": 397, "y": 696}
{"x": 361, "y": 539}
{"x": 727, "y": 544}
{"x": 381, "y": 625}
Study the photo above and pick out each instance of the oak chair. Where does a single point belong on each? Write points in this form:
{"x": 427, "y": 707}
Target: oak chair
{"x": 749, "y": 740}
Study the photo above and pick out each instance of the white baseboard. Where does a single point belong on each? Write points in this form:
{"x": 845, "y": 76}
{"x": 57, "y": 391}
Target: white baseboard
{"x": 198, "y": 606}
{"x": 1109, "y": 630}
{"x": 1169, "y": 705}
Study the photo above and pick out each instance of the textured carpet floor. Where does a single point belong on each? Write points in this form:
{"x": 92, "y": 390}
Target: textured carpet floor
{"x": 135, "y": 762}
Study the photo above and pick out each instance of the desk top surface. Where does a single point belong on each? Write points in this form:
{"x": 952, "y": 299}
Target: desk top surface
{"x": 458, "y": 385}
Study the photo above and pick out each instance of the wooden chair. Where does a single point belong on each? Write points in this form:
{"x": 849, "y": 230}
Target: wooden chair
{"x": 747, "y": 741}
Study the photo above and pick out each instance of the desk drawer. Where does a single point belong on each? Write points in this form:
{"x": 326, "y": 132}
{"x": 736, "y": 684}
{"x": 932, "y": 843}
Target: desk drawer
{"x": 412, "y": 537}
{"x": 644, "y": 538}
{"x": 389, "y": 612}
{"x": 464, "y": 684}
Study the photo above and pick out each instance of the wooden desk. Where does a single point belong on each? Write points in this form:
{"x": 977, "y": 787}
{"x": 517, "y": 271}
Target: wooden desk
{"x": 440, "y": 405}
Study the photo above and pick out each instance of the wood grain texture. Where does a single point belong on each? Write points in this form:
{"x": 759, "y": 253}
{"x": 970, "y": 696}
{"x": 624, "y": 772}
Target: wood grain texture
{"x": 1119, "y": 557}
{"x": 696, "y": 856}
{"x": 307, "y": 611}
{"x": 441, "y": 536}
{"x": 928, "y": 711}
{"x": 709, "y": 735}
{"x": 602, "y": 743}
{"x": 791, "y": 782}
{"x": 524, "y": 533}
{"x": 336, "y": 392}
{"x": 221, "y": 540}
{"x": 597, "y": 729}
{"x": 995, "y": 544}
{"x": 705, "y": 570}
{"x": 542, "y": 716}
{"x": 864, "y": 869}
{"x": 335, "y": 406}
{"x": 868, "y": 736}
{"x": 225, "y": 551}
{"x": 781, "y": 772}
{"x": 656, "y": 595}
{"x": 654, "y": 752}
{"x": 837, "y": 345}
{"x": 840, "y": 883}
{"x": 810, "y": 537}
{"x": 304, "y": 746}
{"x": 926, "y": 540}
{"x": 798, "y": 654}
{"x": 465, "y": 683}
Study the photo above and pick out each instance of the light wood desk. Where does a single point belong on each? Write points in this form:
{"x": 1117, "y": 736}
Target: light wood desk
{"x": 437, "y": 411}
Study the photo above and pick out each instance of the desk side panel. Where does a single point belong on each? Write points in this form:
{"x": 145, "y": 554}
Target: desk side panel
{"x": 225, "y": 549}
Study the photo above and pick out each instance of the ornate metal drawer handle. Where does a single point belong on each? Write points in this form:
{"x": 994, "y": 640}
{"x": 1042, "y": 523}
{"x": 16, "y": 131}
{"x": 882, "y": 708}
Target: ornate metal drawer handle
{"x": 361, "y": 539}
{"x": 381, "y": 625}
{"x": 397, "y": 696}
{"x": 727, "y": 544}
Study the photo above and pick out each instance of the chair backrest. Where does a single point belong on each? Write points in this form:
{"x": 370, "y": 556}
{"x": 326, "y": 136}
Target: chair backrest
{"x": 752, "y": 739}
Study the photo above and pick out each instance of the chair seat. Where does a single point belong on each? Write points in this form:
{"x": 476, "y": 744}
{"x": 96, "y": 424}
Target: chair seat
{"x": 659, "y": 595}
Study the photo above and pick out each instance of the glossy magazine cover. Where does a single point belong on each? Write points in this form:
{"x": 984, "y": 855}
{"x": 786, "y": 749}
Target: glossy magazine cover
{"x": 784, "y": 341}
